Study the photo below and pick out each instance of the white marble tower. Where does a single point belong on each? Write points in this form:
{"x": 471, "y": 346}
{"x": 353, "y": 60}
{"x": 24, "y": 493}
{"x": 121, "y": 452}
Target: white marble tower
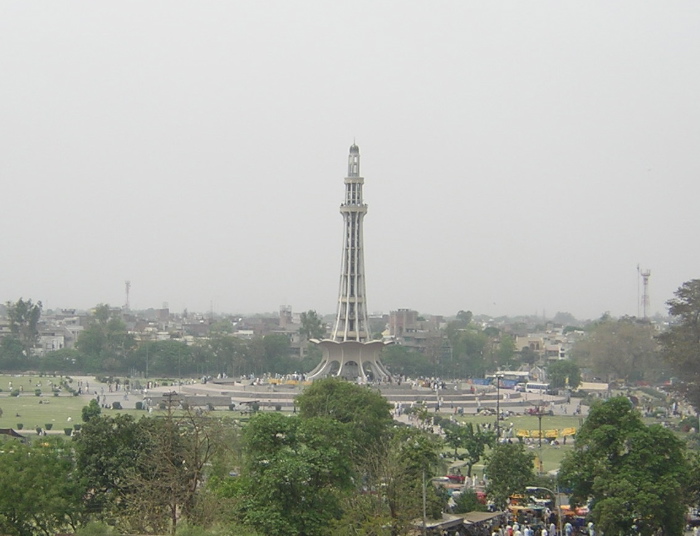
{"x": 350, "y": 352}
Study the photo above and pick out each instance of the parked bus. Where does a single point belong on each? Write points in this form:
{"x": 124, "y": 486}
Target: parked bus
{"x": 538, "y": 388}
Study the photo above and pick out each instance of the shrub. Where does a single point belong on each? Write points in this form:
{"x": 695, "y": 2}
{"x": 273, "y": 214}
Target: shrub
{"x": 95, "y": 528}
{"x": 684, "y": 425}
{"x": 255, "y": 406}
{"x": 653, "y": 393}
{"x": 15, "y": 392}
{"x": 468, "y": 501}
{"x": 230, "y": 407}
{"x": 278, "y": 407}
{"x": 185, "y": 529}
{"x": 20, "y": 425}
{"x": 37, "y": 392}
{"x": 48, "y": 425}
{"x": 117, "y": 405}
{"x": 77, "y": 427}
{"x": 139, "y": 405}
{"x": 68, "y": 431}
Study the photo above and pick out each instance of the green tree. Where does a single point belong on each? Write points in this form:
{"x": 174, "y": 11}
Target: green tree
{"x": 168, "y": 358}
{"x": 105, "y": 342}
{"x": 468, "y": 501}
{"x": 276, "y": 348}
{"x": 635, "y": 476}
{"x": 296, "y": 471}
{"x": 12, "y": 354}
{"x": 393, "y": 473}
{"x": 169, "y": 471}
{"x": 24, "y": 321}
{"x": 41, "y": 493}
{"x": 564, "y": 373}
{"x": 106, "y": 450}
{"x": 465, "y": 317}
{"x": 364, "y": 412}
{"x": 472, "y": 439}
{"x": 312, "y": 326}
{"x": 145, "y": 475}
{"x": 219, "y": 353}
{"x": 471, "y": 348}
{"x": 221, "y": 326}
{"x": 528, "y": 355}
{"x": 91, "y": 410}
{"x": 619, "y": 349}
{"x": 509, "y": 469}
{"x": 64, "y": 360}
{"x": 505, "y": 352}
{"x": 402, "y": 360}
{"x": 680, "y": 344}
{"x": 565, "y": 319}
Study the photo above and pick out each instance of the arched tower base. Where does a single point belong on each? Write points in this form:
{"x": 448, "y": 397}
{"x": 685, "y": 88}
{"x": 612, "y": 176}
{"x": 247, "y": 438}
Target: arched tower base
{"x": 352, "y": 360}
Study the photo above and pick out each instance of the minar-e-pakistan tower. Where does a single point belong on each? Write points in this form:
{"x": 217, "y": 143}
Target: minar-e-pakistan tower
{"x": 349, "y": 352}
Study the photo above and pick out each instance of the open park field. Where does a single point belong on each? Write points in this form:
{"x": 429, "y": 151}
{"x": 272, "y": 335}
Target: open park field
{"x": 37, "y": 405}
{"x": 550, "y": 455}
{"x": 32, "y": 411}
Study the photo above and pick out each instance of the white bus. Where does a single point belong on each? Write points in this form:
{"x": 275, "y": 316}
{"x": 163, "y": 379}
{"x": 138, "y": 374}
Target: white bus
{"x": 535, "y": 387}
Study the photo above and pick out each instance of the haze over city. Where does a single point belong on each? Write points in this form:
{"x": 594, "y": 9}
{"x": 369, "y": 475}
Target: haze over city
{"x": 518, "y": 158}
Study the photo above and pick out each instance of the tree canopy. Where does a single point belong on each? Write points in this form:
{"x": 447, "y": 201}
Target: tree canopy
{"x": 365, "y": 412}
{"x": 296, "y": 471}
{"x": 620, "y": 349}
{"x": 312, "y": 326}
{"x": 24, "y": 320}
{"x": 509, "y": 469}
{"x": 680, "y": 344}
{"x": 471, "y": 440}
{"x": 632, "y": 474}
{"x": 564, "y": 373}
{"x": 41, "y": 492}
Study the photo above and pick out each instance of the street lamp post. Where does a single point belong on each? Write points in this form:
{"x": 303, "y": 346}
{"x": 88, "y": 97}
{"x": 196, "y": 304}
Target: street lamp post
{"x": 498, "y": 406}
{"x": 557, "y": 503}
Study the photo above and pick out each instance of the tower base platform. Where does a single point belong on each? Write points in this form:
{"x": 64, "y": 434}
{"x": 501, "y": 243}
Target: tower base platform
{"x": 352, "y": 360}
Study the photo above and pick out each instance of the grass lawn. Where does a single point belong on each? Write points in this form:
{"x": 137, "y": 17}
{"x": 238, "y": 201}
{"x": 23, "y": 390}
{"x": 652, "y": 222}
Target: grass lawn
{"x": 32, "y": 411}
{"x": 551, "y": 456}
{"x": 63, "y": 411}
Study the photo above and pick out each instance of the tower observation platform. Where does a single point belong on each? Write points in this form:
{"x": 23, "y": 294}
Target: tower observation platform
{"x": 350, "y": 352}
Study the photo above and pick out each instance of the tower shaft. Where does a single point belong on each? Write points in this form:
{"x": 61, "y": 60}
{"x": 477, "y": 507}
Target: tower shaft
{"x": 351, "y": 320}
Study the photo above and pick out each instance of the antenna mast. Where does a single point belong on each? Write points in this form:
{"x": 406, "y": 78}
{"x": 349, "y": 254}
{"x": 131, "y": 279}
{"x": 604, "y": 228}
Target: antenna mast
{"x": 127, "y": 284}
{"x": 645, "y": 292}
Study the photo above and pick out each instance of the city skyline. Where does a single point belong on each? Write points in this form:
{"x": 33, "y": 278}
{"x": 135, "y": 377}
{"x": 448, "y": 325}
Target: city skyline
{"x": 519, "y": 159}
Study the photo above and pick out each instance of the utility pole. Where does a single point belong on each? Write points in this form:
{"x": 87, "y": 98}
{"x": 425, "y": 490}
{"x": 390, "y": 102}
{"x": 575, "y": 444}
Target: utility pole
{"x": 424, "y": 503}
{"x": 557, "y": 502}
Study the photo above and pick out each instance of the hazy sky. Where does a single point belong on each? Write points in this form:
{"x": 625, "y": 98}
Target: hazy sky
{"x": 518, "y": 156}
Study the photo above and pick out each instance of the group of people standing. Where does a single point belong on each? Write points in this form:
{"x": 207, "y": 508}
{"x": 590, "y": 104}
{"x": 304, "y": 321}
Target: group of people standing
{"x": 516, "y": 529}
